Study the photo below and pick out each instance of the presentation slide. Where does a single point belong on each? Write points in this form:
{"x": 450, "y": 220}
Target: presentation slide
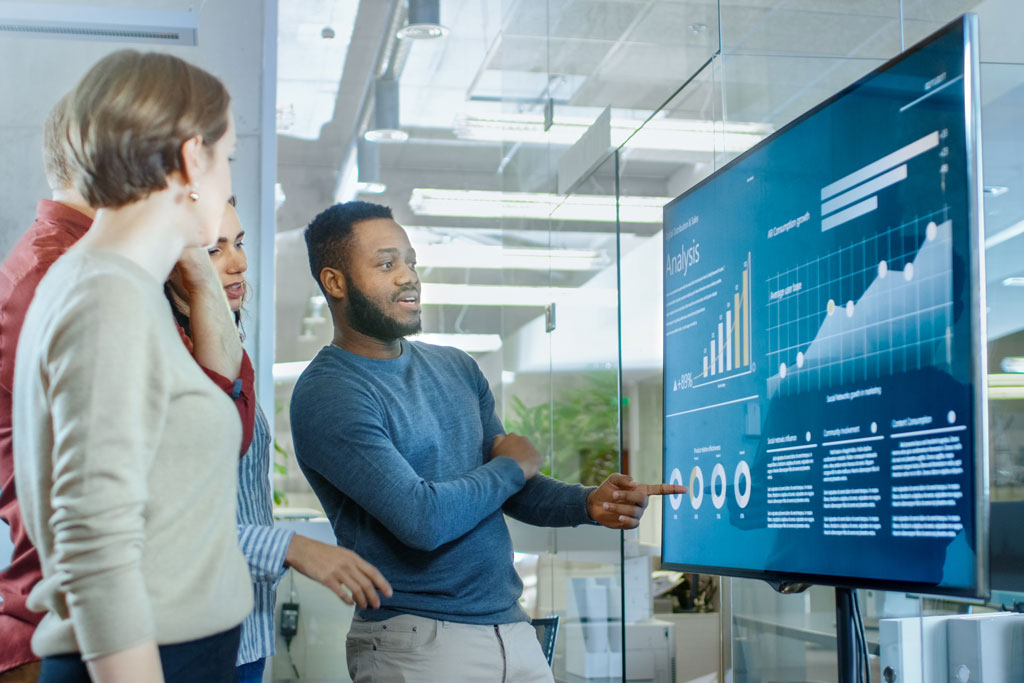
{"x": 819, "y": 338}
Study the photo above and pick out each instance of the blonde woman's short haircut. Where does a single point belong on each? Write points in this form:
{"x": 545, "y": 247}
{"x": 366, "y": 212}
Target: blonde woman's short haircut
{"x": 128, "y": 118}
{"x": 56, "y": 163}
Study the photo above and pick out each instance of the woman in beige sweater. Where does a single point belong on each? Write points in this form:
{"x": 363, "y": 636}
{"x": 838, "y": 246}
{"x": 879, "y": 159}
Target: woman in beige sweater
{"x": 125, "y": 452}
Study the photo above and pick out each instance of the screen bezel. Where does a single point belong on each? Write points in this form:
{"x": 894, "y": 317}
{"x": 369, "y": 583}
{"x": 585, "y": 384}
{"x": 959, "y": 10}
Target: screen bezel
{"x": 968, "y": 25}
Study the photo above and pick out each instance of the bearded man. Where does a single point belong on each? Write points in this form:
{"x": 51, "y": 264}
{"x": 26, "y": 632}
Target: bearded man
{"x": 400, "y": 442}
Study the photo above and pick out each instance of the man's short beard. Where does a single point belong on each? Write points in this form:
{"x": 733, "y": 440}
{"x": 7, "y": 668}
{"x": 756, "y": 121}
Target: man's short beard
{"x": 367, "y": 318}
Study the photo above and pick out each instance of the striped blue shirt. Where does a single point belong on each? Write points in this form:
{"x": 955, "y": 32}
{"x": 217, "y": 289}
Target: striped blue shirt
{"x": 263, "y": 546}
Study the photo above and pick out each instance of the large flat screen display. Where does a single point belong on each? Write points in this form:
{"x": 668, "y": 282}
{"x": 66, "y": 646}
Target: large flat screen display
{"x": 823, "y": 349}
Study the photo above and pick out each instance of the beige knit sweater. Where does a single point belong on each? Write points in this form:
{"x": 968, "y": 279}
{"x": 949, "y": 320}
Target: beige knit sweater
{"x": 125, "y": 466}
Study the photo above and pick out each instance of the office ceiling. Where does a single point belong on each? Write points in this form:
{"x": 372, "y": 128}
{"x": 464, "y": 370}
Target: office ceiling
{"x": 503, "y": 58}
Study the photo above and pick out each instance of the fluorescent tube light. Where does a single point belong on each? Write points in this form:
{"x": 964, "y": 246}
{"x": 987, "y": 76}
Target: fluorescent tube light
{"x": 441, "y": 294}
{"x": 288, "y": 372}
{"x": 685, "y": 135}
{"x": 444, "y": 294}
{"x": 576, "y": 207}
{"x": 470, "y": 343}
{"x": 1004, "y": 235}
{"x": 1005, "y": 386}
{"x": 456, "y": 255}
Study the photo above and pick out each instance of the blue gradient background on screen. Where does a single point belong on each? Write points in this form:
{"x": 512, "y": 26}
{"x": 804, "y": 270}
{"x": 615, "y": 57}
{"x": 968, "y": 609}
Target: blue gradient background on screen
{"x": 818, "y": 388}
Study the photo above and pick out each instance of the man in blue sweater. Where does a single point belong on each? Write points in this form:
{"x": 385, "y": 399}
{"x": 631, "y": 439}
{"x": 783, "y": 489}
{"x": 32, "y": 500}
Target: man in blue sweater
{"x": 401, "y": 444}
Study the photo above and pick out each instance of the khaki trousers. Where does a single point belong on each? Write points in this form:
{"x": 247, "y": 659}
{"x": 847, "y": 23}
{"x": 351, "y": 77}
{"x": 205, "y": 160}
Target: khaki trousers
{"x": 410, "y": 649}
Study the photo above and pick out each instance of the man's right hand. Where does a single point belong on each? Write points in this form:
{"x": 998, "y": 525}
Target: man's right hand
{"x": 520, "y": 449}
{"x": 339, "y": 569}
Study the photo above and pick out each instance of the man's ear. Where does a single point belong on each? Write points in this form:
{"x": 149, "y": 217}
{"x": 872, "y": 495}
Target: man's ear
{"x": 333, "y": 282}
{"x": 193, "y": 159}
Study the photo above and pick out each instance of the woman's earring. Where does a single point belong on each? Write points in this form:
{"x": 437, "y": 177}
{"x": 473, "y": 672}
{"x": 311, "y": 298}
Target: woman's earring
{"x": 193, "y": 193}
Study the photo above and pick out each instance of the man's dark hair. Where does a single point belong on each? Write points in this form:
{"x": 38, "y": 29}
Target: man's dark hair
{"x": 328, "y": 235}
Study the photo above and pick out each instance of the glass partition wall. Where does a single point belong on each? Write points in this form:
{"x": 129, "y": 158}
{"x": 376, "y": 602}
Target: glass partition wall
{"x": 560, "y": 359}
{"x": 777, "y": 60}
{"x": 780, "y": 62}
{"x": 562, "y": 295}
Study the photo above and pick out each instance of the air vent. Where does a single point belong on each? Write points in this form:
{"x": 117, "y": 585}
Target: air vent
{"x": 72, "y": 22}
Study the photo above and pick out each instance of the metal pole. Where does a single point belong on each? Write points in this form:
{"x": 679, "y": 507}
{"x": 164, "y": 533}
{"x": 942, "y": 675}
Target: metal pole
{"x": 846, "y": 636}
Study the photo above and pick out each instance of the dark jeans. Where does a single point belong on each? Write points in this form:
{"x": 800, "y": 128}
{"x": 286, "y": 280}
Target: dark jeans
{"x": 251, "y": 672}
{"x": 210, "y": 659}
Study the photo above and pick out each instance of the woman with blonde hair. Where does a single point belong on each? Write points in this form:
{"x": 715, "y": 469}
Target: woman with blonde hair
{"x": 125, "y": 451}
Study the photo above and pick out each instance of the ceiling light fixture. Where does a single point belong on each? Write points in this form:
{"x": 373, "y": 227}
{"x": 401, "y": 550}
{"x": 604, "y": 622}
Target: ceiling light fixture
{"x": 1012, "y": 364}
{"x": 443, "y": 294}
{"x": 371, "y": 188}
{"x": 461, "y": 255}
{"x": 424, "y": 21}
{"x": 289, "y": 371}
{"x": 684, "y": 135}
{"x": 1005, "y": 386}
{"x": 537, "y": 205}
{"x": 470, "y": 343}
{"x": 368, "y": 167}
{"x": 386, "y": 126}
{"x": 1004, "y": 235}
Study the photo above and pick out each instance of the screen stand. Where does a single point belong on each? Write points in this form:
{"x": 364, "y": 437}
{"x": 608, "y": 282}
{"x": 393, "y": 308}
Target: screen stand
{"x": 846, "y": 635}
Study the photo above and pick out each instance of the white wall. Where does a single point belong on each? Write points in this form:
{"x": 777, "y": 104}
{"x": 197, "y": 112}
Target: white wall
{"x": 237, "y": 42}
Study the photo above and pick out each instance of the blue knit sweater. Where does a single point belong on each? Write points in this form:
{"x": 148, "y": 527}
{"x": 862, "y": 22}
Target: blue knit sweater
{"x": 398, "y": 452}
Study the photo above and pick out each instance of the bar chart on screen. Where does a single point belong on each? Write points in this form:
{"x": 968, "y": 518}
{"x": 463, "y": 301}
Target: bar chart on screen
{"x": 714, "y": 312}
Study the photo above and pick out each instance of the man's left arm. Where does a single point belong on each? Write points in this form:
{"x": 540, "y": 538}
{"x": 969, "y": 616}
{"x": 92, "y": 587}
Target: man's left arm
{"x": 618, "y": 503}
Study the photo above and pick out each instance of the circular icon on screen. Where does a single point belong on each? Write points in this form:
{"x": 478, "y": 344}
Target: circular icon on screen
{"x": 718, "y": 486}
{"x": 742, "y": 474}
{"x": 696, "y": 487}
{"x": 676, "y": 499}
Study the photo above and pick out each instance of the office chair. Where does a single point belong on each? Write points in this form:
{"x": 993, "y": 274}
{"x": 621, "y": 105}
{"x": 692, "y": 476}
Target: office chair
{"x": 547, "y": 632}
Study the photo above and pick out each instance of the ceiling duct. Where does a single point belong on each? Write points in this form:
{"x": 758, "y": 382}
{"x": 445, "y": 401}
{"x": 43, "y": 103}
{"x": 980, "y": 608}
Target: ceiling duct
{"x": 102, "y": 24}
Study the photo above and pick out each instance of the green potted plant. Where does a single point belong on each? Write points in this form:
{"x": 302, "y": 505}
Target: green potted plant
{"x": 578, "y": 430}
